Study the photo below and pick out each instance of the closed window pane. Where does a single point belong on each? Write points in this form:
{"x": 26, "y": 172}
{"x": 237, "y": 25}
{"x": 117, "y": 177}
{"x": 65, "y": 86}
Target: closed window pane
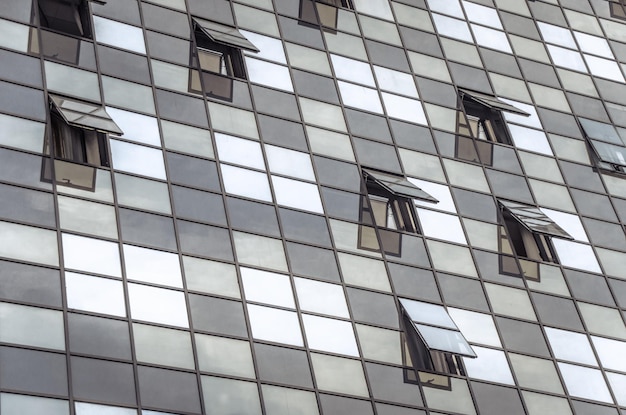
{"x": 91, "y": 255}
{"x": 31, "y": 326}
{"x": 267, "y": 287}
{"x": 152, "y": 266}
{"x": 98, "y": 295}
{"x": 158, "y": 305}
{"x": 275, "y": 325}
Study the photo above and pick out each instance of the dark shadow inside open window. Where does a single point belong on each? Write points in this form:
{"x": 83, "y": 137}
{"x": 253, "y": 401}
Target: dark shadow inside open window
{"x": 65, "y": 16}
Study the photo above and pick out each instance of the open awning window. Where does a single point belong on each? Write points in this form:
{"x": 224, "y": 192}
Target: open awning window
{"x": 435, "y": 327}
{"x": 85, "y": 115}
{"x": 225, "y": 35}
{"x": 605, "y": 140}
{"x": 398, "y": 185}
{"x": 491, "y": 102}
{"x": 533, "y": 219}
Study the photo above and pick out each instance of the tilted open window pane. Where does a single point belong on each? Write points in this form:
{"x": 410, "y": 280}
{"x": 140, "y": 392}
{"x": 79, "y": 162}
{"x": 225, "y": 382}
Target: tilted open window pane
{"x": 618, "y": 9}
{"x": 322, "y": 12}
{"x": 398, "y": 185}
{"x": 606, "y": 143}
{"x": 490, "y": 102}
{"x": 85, "y": 115}
{"x": 534, "y": 219}
{"x": 225, "y": 35}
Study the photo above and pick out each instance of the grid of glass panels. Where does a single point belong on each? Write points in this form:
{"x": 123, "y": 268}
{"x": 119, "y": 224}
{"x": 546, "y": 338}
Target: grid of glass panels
{"x": 213, "y": 266}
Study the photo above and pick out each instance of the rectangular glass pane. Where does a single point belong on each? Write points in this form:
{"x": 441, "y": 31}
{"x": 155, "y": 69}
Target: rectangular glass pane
{"x": 445, "y": 340}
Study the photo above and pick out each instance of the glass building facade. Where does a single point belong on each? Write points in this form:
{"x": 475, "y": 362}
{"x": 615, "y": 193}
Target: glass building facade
{"x": 312, "y": 207}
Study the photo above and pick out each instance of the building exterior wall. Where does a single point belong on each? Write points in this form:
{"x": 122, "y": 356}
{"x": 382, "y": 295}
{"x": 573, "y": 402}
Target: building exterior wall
{"x": 225, "y": 261}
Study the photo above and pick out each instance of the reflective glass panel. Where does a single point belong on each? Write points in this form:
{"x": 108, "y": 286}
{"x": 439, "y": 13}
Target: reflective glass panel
{"x": 152, "y": 266}
{"x": 267, "y": 287}
{"x": 91, "y": 255}
{"x": 98, "y": 295}
{"x": 158, "y": 305}
{"x": 275, "y": 325}
{"x": 330, "y": 335}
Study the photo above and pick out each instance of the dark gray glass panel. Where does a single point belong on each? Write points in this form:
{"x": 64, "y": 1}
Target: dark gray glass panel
{"x": 168, "y": 389}
{"x": 101, "y": 380}
{"x": 165, "y": 20}
{"x": 332, "y": 404}
{"x": 422, "y": 42}
{"x": 312, "y": 262}
{"x": 388, "y": 385}
{"x": 387, "y": 56}
{"x": 219, "y": 10}
{"x": 412, "y": 136}
{"x": 30, "y": 284}
{"x": 557, "y": 312}
{"x": 315, "y": 86}
{"x": 464, "y": 292}
{"x": 413, "y": 282}
{"x": 519, "y": 25}
{"x": 619, "y": 290}
{"x": 500, "y": 63}
{"x": 498, "y": 268}
{"x": 85, "y": 115}
{"x": 21, "y": 168}
{"x": 445, "y": 340}
{"x": 398, "y": 186}
{"x": 368, "y": 125}
{"x": 20, "y": 100}
{"x": 338, "y": 174}
{"x": 613, "y": 91}
{"x": 147, "y": 229}
{"x": 503, "y": 157}
{"x": 33, "y": 371}
{"x": 303, "y": 227}
{"x": 509, "y": 186}
{"x": 587, "y": 107}
{"x": 583, "y": 177}
{"x": 26, "y": 205}
{"x": 193, "y": 172}
{"x": 377, "y": 155}
{"x": 181, "y": 108}
{"x": 437, "y": 92}
{"x": 16, "y": 67}
{"x": 475, "y": 205}
{"x": 342, "y": 205}
{"x": 468, "y": 77}
{"x": 534, "y": 219}
{"x": 68, "y": 49}
{"x": 17, "y": 10}
{"x": 98, "y": 336}
{"x": 559, "y": 123}
{"x": 294, "y": 32}
{"x": 122, "y": 10}
{"x": 204, "y": 240}
{"x": 168, "y": 48}
{"x": 589, "y": 287}
{"x": 600, "y": 131}
{"x": 373, "y": 308}
{"x": 225, "y": 35}
{"x": 593, "y": 204}
{"x": 585, "y": 408}
{"x": 490, "y": 102}
{"x": 252, "y": 216}
{"x": 275, "y": 102}
{"x": 281, "y": 365}
{"x": 216, "y": 315}
{"x": 282, "y": 132}
{"x": 610, "y": 235}
{"x": 549, "y": 13}
{"x": 539, "y": 72}
{"x": 522, "y": 337}
{"x": 496, "y": 400}
{"x": 123, "y": 64}
{"x": 197, "y": 205}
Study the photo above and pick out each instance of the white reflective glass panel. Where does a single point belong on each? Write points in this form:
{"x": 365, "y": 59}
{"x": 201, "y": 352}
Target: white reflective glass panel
{"x": 483, "y": 15}
{"x": 568, "y": 222}
{"x": 441, "y": 226}
{"x": 571, "y": 346}
{"x": 491, "y": 38}
{"x": 119, "y": 34}
{"x": 395, "y": 81}
{"x": 490, "y": 365}
{"x": 83, "y": 408}
{"x": 453, "y": 28}
{"x": 438, "y": 191}
{"x": 275, "y": 325}
{"x": 269, "y": 74}
{"x": 618, "y": 385}
{"x": 433, "y": 314}
{"x": 269, "y": 48}
{"x": 289, "y": 162}
{"x": 13, "y": 404}
{"x": 530, "y": 121}
{"x": 246, "y": 183}
{"x": 585, "y": 383}
{"x": 594, "y": 45}
{"x": 451, "y": 7}
{"x": 296, "y": 194}
{"x": 136, "y": 127}
{"x": 567, "y": 58}
{"x": 360, "y": 97}
{"x": 557, "y": 35}
{"x": 530, "y": 139}
{"x": 476, "y": 327}
{"x": 604, "y": 68}
{"x": 239, "y": 151}
{"x": 330, "y": 335}
{"x": 14, "y": 35}
{"x": 137, "y": 159}
{"x": 321, "y": 297}
{"x": 267, "y": 287}
{"x": 149, "y": 265}
{"x": 352, "y": 70}
{"x": 94, "y": 294}
{"x": 576, "y": 255}
{"x": 404, "y": 108}
{"x": 610, "y": 352}
{"x": 91, "y": 255}
{"x": 158, "y": 305}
